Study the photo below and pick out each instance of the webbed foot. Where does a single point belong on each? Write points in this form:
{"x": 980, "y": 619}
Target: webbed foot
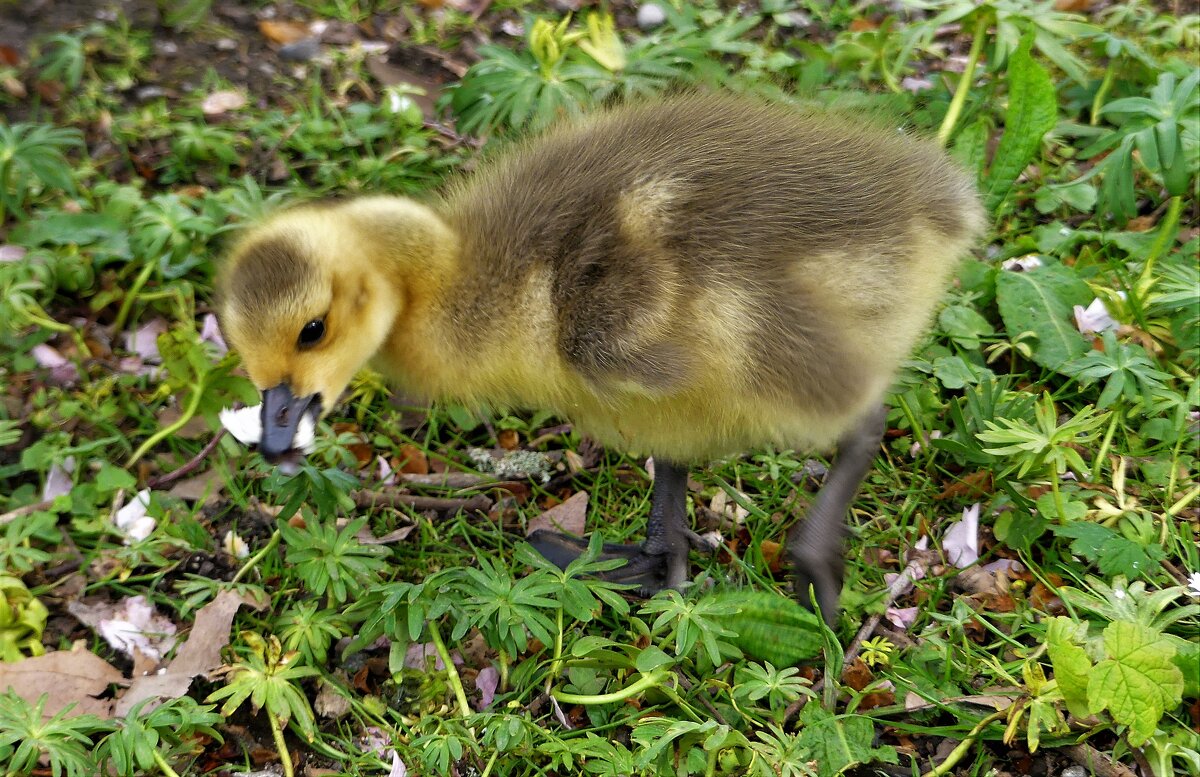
{"x": 659, "y": 562}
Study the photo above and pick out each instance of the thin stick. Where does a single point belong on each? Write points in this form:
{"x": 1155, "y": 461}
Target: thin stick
{"x": 369, "y": 499}
{"x": 190, "y": 465}
{"x": 21, "y": 512}
{"x": 1100, "y": 764}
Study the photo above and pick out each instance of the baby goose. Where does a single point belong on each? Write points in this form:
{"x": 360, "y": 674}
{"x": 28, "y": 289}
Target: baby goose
{"x": 689, "y": 279}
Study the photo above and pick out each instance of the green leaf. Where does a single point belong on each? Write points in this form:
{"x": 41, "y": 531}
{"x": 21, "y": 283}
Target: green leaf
{"x": 1138, "y": 682}
{"x": 1032, "y": 112}
{"x": 1041, "y": 301}
{"x": 964, "y": 325}
{"x": 838, "y": 743}
{"x": 111, "y": 478}
{"x": 1064, "y": 639}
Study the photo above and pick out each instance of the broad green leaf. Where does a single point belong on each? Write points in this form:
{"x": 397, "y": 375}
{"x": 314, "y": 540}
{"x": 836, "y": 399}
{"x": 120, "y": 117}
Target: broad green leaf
{"x": 1042, "y": 301}
{"x": 1138, "y": 682}
{"x": 964, "y": 325}
{"x": 839, "y": 742}
{"x": 1071, "y": 664}
{"x": 1032, "y": 112}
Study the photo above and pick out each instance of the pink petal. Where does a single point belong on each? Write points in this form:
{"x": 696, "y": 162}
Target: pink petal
{"x": 398, "y": 767}
{"x": 486, "y": 682}
{"x": 58, "y": 480}
{"x": 961, "y": 541}
{"x": 210, "y": 332}
{"x": 62, "y": 372}
{"x": 1006, "y": 565}
{"x": 902, "y": 617}
{"x": 11, "y": 253}
{"x": 144, "y": 341}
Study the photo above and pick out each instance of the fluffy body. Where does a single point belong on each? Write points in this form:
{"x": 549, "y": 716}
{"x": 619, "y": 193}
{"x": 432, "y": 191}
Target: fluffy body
{"x": 688, "y": 278}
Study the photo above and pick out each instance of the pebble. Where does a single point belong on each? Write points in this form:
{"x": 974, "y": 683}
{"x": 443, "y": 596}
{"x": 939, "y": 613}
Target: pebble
{"x": 301, "y": 50}
{"x": 1074, "y": 771}
{"x": 650, "y": 15}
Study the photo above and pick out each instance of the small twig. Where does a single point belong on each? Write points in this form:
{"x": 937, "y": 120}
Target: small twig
{"x": 21, "y": 512}
{"x": 369, "y": 499}
{"x": 1140, "y": 757}
{"x": 1175, "y": 572}
{"x": 1096, "y": 762}
{"x": 189, "y": 466}
{"x": 895, "y": 590}
{"x": 447, "y": 479}
{"x": 687, "y": 686}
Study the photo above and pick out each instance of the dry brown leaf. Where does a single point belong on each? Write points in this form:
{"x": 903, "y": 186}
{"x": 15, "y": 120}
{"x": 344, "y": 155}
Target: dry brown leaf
{"x": 204, "y": 488}
{"x": 365, "y": 536}
{"x": 567, "y": 517}
{"x": 509, "y": 439}
{"x": 199, "y": 655}
{"x": 415, "y": 462}
{"x": 283, "y": 32}
{"x": 1072, "y": 6}
{"x": 863, "y": 25}
{"x": 1141, "y": 223}
{"x": 970, "y": 486}
{"x": 66, "y": 676}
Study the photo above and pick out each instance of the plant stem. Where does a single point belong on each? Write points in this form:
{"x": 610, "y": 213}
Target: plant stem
{"x": 163, "y": 765}
{"x": 556, "y": 664}
{"x": 1058, "y": 500}
{"x": 127, "y": 303}
{"x": 956, "y": 755}
{"x": 964, "y": 83}
{"x": 1110, "y": 73}
{"x": 257, "y": 557}
{"x": 285, "y": 758}
{"x": 464, "y": 709}
{"x": 491, "y": 761}
{"x": 154, "y": 439}
{"x": 1166, "y": 231}
{"x": 503, "y": 669}
{"x": 1105, "y": 444}
{"x": 646, "y": 682}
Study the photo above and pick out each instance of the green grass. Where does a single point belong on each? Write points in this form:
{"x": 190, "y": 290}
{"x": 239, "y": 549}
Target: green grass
{"x": 1081, "y": 453}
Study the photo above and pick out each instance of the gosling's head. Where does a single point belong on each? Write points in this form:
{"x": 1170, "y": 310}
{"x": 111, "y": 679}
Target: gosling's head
{"x": 304, "y": 299}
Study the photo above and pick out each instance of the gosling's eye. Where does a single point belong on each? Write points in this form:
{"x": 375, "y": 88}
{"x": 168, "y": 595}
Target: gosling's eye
{"x": 312, "y": 333}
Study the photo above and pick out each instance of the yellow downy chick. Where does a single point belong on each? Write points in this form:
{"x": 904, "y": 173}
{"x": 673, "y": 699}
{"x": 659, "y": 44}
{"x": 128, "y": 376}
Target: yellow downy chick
{"x": 689, "y": 278}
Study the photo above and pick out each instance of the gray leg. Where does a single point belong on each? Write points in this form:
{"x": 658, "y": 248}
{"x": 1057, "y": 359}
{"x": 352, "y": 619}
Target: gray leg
{"x": 815, "y": 545}
{"x": 662, "y": 560}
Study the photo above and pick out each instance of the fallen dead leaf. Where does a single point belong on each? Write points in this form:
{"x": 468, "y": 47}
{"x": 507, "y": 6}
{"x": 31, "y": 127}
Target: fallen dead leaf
{"x": 973, "y": 485}
{"x": 283, "y": 32}
{"x": 199, "y": 655}
{"x": 567, "y": 517}
{"x": 1141, "y": 223}
{"x": 67, "y": 677}
{"x": 204, "y": 488}
{"x": 414, "y": 461}
{"x": 331, "y": 702}
{"x": 367, "y": 538}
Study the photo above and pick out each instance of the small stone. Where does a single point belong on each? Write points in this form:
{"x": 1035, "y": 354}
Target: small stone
{"x": 301, "y": 50}
{"x": 1074, "y": 770}
{"x": 650, "y": 15}
{"x": 226, "y": 44}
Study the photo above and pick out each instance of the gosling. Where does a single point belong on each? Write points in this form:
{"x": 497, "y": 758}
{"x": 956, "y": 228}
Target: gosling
{"x": 688, "y": 279}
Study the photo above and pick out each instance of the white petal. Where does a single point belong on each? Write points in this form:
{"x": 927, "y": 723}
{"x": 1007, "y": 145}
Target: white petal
{"x": 961, "y": 541}
{"x": 244, "y": 424}
{"x": 134, "y": 511}
{"x": 235, "y": 545}
{"x": 306, "y": 434}
{"x": 1094, "y": 318}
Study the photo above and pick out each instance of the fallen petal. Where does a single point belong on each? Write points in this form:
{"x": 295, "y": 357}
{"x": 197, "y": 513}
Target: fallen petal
{"x": 245, "y": 424}
{"x": 1094, "y": 318}
{"x": 58, "y": 480}
{"x": 961, "y": 541}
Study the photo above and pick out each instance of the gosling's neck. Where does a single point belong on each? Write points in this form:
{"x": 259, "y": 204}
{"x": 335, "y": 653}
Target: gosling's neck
{"x": 439, "y": 347}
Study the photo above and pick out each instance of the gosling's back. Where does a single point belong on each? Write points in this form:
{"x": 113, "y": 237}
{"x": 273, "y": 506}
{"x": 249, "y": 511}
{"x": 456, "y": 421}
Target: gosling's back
{"x": 720, "y": 272}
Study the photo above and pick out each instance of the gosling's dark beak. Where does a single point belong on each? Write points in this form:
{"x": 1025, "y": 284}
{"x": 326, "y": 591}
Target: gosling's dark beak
{"x": 281, "y": 413}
